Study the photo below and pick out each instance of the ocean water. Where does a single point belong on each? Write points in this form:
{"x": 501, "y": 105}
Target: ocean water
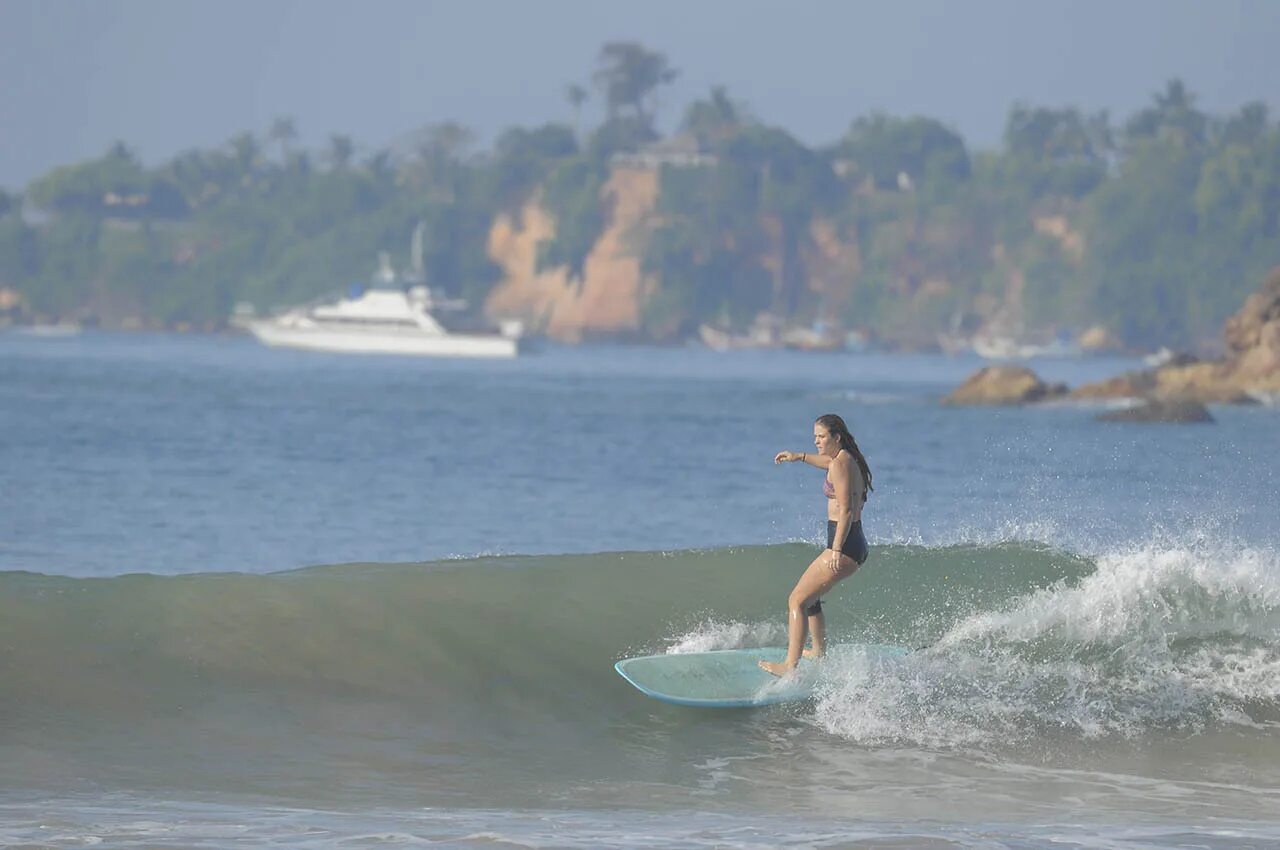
{"x": 261, "y": 598}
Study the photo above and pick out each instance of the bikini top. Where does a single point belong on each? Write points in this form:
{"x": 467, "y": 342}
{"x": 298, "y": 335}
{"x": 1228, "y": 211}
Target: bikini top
{"x": 829, "y": 490}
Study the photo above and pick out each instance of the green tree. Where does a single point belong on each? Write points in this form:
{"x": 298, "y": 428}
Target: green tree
{"x": 704, "y": 278}
{"x": 19, "y": 253}
{"x": 67, "y": 255}
{"x": 1237, "y": 208}
{"x": 522, "y": 158}
{"x": 1247, "y": 127}
{"x": 297, "y": 165}
{"x": 714, "y": 118}
{"x": 115, "y": 185}
{"x": 572, "y": 195}
{"x": 1172, "y": 117}
{"x": 621, "y": 134}
{"x": 923, "y": 149}
{"x": 577, "y": 96}
{"x": 1057, "y": 135}
{"x": 247, "y": 155}
{"x": 341, "y": 150}
{"x": 1141, "y": 227}
{"x": 723, "y": 227}
{"x": 284, "y": 132}
{"x": 438, "y": 158}
{"x": 628, "y": 75}
{"x": 794, "y": 184}
{"x": 380, "y": 167}
{"x": 1052, "y": 152}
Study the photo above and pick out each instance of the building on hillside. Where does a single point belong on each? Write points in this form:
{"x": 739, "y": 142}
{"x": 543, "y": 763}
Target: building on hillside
{"x": 680, "y": 151}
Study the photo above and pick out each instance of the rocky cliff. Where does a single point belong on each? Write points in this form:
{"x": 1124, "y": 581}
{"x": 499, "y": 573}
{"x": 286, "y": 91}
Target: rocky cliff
{"x": 1251, "y": 369}
{"x": 608, "y": 299}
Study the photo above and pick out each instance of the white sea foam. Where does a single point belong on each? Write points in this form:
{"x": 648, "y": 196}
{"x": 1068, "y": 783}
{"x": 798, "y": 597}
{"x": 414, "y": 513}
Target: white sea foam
{"x": 1155, "y": 638}
{"x": 1146, "y": 593}
{"x": 258, "y": 825}
{"x": 713, "y": 634}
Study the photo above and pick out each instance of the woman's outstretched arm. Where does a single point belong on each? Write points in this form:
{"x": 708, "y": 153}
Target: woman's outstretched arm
{"x": 811, "y": 458}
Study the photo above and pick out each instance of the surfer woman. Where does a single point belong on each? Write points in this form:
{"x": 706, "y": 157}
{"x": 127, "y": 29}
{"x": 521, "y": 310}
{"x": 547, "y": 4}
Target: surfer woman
{"x": 846, "y": 486}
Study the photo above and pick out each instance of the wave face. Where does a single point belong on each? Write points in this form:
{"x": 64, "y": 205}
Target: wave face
{"x": 435, "y": 673}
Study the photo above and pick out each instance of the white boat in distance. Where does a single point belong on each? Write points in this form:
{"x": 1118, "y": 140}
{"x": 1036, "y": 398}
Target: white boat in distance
{"x": 991, "y": 347}
{"x": 399, "y": 314}
{"x": 385, "y": 321}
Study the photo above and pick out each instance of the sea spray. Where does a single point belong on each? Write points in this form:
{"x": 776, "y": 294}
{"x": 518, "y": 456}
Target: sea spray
{"x": 1154, "y": 640}
{"x": 711, "y": 634}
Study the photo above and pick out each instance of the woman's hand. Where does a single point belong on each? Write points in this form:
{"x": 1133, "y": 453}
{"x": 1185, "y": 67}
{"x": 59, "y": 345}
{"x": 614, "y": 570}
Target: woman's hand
{"x": 787, "y": 457}
{"x": 834, "y": 564}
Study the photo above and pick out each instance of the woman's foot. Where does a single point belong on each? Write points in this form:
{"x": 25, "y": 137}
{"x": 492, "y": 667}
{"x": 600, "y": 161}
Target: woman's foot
{"x": 777, "y": 668}
{"x": 812, "y": 653}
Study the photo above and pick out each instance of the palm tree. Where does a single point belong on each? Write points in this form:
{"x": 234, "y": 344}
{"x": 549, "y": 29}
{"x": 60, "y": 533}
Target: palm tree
{"x": 341, "y": 149}
{"x": 1173, "y": 116}
{"x": 119, "y": 150}
{"x": 714, "y": 119}
{"x": 628, "y": 75}
{"x": 1248, "y": 125}
{"x": 191, "y": 174}
{"x": 449, "y": 139}
{"x": 282, "y": 132}
{"x": 439, "y": 151}
{"x": 380, "y": 166}
{"x": 246, "y": 152}
{"x": 576, "y": 95}
{"x": 1101, "y": 139}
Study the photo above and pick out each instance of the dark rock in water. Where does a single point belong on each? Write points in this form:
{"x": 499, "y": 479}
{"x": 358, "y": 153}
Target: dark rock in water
{"x": 1129, "y": 385}
{"x": 1004, "y": 385}
{"x": 1155, "y": 410}
{"x": 1181, "y": 358}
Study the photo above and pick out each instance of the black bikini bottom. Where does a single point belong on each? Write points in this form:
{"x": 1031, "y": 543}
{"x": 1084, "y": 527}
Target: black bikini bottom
{"x": 855, "y": 546}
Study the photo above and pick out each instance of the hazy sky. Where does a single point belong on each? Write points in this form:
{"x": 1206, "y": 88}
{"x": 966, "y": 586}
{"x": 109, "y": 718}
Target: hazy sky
{"x": 165, "y": 75}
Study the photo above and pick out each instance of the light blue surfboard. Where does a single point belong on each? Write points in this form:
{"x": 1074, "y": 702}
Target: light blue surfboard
{"x": 731, "y": 678}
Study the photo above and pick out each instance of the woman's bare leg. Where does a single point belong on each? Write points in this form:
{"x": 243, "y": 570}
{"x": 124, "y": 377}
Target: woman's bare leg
{"x": 816, "y": 581}
{"x": 817, "y": 635}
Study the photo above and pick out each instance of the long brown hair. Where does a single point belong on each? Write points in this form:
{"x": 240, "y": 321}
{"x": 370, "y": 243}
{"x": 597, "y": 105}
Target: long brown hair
{"x": 835, "y": 425}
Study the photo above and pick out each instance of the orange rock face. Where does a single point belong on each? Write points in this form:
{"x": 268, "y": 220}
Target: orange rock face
{"x": 1252, "y": 369}
{"x": 608, "y": 299}
{"x": 1244, "y": 330}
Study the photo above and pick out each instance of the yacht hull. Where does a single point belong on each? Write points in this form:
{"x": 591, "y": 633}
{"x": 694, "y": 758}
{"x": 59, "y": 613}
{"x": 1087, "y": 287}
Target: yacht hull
{"x": 411, "y": 341}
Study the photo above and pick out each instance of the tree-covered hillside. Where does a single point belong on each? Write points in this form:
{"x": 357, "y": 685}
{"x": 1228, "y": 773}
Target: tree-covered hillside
{"x": 1155, "y": 226}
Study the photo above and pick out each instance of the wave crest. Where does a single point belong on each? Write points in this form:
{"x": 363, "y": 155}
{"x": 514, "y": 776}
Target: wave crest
{"x": 1173, "y": 639}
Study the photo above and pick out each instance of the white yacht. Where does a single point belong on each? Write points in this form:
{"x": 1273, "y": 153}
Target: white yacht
{"x": 997, "y": 347}
{"x": 391, "y": 317}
